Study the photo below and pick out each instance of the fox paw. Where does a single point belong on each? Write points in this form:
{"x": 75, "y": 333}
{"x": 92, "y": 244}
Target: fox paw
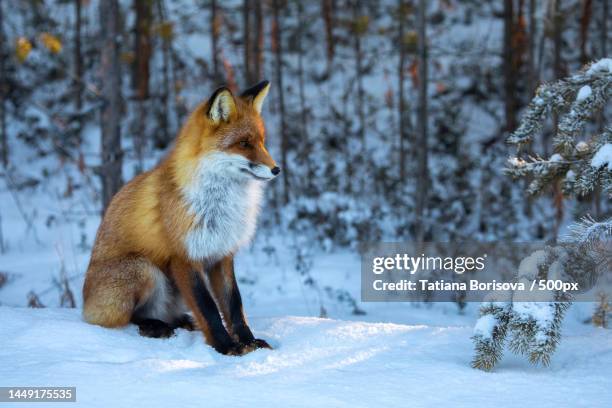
{"x": 240, "y": 349}
{"x": 185, "y": 322}
{"x": 155, "y": 328}
{"x": 237, "y": 349}
{"x": 259, "y": 344}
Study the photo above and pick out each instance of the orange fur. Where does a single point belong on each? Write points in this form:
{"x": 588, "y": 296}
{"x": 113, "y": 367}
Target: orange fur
{"x": 145, "y": 225}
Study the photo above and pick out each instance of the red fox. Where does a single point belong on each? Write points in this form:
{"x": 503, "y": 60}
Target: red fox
{"x": 167, "y": 241}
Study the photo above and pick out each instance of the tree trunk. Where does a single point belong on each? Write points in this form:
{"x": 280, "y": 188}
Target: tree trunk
{"x": 531, "y": 74}
{"x": 360, "y": 92}
{"x": 277, "y": 33}
{"x": 603, "y": 53}
{"x": 558, "y": 68}
{"x": 422, "y": 169}
{"x": 141, "y": 72}
{"x": 163, "y": 137}
{"x": 532, "y": 78}
{"x": 215, "y": 27}
{"x": 508, "y": 67}
{"x": 542, "y": 39}
{"x": 142, "y": 48}
{"x": 402, "y": 100}
{"x": 346, "y": 148}
{"x": 585, "y": 21}
{"x": 327, "y": 10}
{"x": 258, "y": 44}
{"x": 3, "y": 92}
{"x": 557, "y": 40}
{"x": 603, "y": 39}
{"x": 246, "y": 42}
{"x": 306, "y": 142}
{"x": 78, "y": 62}
{"x": 110, "y": 169}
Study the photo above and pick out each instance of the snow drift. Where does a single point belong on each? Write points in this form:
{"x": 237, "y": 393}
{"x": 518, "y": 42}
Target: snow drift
{"x": 316, "y": 362}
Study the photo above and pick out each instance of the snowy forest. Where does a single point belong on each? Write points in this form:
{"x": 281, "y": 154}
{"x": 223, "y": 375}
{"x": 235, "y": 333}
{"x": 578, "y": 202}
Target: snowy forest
{"x": 392, "y": 121}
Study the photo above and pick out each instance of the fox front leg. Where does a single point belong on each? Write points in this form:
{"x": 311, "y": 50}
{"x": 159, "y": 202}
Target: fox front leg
{"x": 226, "y": 292}
{"x": 190, "y": 282}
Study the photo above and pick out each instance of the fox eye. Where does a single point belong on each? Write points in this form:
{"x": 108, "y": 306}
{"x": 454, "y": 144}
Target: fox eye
{"x": 245, "y": 144}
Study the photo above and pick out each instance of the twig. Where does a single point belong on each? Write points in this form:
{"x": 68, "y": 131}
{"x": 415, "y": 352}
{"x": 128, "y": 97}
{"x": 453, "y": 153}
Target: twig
{"x": 29, "y": 223}
{"x": 34, "y": 301}
{"x": 67, "y": 297}
{"x": 2, "y": 247}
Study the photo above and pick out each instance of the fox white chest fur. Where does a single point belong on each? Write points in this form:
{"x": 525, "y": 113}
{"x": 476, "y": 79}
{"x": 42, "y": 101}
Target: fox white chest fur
{"x": 225, "y": 204}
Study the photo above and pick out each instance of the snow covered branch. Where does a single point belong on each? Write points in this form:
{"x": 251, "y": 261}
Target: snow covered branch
{"x": 535, "y": 327}
{"x": 581, "y": 164}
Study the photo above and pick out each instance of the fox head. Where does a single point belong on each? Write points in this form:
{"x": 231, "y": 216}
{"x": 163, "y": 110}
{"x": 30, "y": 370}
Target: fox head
{"x": 227, "y": 133}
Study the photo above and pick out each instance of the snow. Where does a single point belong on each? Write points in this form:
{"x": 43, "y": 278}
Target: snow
{"x": 528, "y": 268}
{"x": 542, "y": 312}
{"x": 582, "y": 147}
{"x": 316, "y": 362}
{"x": 556, "y": 158}
{"x": 603, "y": 157}
{"x": 516, "y": 162}
{"x": 484, "y": 326}
{"x": 603, "y": 65}
{"x": 584, "y": 93}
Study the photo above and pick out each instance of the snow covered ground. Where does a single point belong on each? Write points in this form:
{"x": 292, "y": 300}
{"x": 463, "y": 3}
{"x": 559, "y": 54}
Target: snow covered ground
{"x": 316, "y": 362}
{"x": 397, "y": 354}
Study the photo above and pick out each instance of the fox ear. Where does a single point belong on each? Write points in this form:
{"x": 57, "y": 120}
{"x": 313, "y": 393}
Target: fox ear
{"x": 257, "y": 94}
{"x": 221, "y": 105}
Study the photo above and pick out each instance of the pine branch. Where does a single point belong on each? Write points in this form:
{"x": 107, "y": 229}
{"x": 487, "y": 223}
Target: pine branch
{"x": 489, "y": 346}
{"x": 576, "y": 100}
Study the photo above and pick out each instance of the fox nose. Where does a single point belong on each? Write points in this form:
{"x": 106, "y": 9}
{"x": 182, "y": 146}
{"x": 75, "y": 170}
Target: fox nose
{"x": 275, "y": 170}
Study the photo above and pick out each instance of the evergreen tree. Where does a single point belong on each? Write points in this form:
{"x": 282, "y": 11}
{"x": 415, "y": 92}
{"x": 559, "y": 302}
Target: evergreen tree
{"x": 535, "y": 327}
{"x": 580, "y": 162}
